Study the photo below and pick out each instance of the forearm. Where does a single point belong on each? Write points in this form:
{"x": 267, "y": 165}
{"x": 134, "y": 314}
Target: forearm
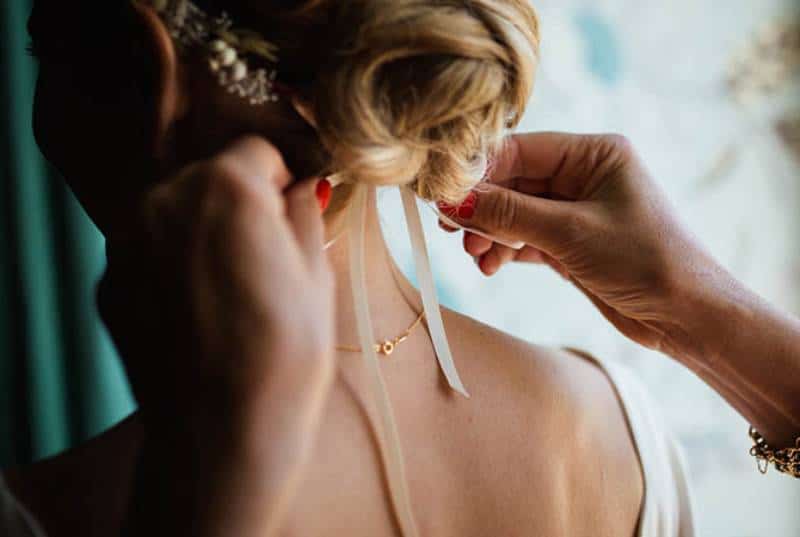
{"x": 180, "y": 490}
{"x": 745, "y": 349}
{"x": 223, "y": 474}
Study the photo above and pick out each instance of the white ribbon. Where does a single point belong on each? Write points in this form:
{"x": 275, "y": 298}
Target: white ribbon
{"x": 427, "y": 288}
{"x": 386, "y": 428}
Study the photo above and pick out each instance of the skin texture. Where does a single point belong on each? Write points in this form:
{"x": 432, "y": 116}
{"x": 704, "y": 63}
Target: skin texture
{"x": 572, "y": 200}
{"x": 224, "y": 309}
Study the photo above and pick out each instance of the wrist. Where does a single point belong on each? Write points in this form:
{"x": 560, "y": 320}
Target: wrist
{"x": 184, "y": 488}
{"x": 708, "y": 307}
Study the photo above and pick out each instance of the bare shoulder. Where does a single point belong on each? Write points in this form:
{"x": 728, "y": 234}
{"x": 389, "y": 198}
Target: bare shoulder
{"x": 564, "y": 411}
{"x": 80, "y": 491}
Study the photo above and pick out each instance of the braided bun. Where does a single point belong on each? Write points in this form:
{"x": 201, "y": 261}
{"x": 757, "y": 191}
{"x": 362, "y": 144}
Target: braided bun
{"x": 421, "y": 92}
{"x": 417, "y": 92}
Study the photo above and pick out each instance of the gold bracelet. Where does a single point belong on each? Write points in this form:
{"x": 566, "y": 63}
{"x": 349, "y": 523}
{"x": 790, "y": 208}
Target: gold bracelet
{"x": 786, "y": 460}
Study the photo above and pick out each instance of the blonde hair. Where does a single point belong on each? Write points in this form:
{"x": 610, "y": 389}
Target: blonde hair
{"x": 417, "y": 92}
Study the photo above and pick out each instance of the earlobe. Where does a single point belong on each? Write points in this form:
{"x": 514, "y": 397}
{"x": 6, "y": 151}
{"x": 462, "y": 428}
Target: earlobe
{"x": 169, "y": 98}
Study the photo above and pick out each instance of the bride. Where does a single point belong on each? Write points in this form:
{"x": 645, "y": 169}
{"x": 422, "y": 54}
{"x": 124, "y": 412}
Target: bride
{"x": 246, "y": 321}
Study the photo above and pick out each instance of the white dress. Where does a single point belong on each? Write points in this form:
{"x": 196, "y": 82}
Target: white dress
{"x": 666, "y": 510}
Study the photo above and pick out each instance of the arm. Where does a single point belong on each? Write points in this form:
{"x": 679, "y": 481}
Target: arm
{"x": 586, "y": 206}
{"x": 746, "y": 349}
{"x": 220, "y": 476}
{"x": 228, "y": 353}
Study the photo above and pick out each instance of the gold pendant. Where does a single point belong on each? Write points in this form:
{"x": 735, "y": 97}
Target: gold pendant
{"x": 386, "y": 348}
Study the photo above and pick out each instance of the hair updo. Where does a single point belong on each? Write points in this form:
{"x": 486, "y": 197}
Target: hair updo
{"x": 417, "y": 92}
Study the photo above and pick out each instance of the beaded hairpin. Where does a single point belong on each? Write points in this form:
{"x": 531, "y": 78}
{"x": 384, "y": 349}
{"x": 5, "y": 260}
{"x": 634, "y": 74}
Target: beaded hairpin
{"x": 227, "y": 47}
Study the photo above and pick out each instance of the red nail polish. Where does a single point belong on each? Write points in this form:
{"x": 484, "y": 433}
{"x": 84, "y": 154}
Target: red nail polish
{"x": 463, "y": 211}
{"x": 323, "y": 193}
{"x": 448, "y": 228}
{"x": 446, "y": 208}
{"x": 467, "y": 207}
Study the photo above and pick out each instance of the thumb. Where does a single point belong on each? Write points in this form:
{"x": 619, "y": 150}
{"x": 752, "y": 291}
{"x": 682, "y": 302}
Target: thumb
{"x": 514, "y": 216}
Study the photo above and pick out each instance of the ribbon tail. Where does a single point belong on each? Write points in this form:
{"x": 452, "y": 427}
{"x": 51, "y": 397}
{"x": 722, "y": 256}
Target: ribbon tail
{"x": 386, "y": 428}
{"x": 429, "y": 300}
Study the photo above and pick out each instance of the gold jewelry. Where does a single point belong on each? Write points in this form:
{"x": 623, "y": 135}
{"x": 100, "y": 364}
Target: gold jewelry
{"x": 786, "y": 460}
{"x": 387, "y": 347}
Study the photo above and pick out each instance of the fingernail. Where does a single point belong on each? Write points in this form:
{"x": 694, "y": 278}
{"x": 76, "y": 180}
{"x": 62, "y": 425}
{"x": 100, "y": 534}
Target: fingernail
{"x": 467, "y": 207}
{"x": 323, "y": 193}
{"x": 463, "y": 211}
{"x": 448, "y": 228}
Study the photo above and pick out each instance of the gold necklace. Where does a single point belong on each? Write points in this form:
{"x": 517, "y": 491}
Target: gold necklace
{"x": 387, "y": 347}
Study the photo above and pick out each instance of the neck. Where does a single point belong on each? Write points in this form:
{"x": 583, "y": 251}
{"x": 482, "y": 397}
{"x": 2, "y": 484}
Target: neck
{"x": 393, "y": 301}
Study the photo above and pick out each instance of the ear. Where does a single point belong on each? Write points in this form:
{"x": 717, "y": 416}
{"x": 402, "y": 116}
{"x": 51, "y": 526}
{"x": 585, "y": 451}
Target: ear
{"x": 304, "y": 110}
{"x": 170, "y": 98}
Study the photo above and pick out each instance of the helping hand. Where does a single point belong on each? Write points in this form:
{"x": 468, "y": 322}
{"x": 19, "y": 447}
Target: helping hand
{"x": 586, "y": 206}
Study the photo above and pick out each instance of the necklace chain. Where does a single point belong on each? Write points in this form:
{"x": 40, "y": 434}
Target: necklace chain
{"x": 387, "y": 346}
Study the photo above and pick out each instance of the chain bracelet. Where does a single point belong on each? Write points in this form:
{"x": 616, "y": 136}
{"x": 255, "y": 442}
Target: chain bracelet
{"x": 786, "y": 460}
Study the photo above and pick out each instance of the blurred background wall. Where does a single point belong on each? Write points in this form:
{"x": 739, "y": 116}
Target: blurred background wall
{"x": 706, "y": 89}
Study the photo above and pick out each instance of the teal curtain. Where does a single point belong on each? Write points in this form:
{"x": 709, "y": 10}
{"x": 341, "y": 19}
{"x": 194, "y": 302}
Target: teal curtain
{"x": 60, "y": 380}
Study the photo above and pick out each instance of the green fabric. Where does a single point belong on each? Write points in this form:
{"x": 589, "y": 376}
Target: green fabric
{"x": 60, "y": 380}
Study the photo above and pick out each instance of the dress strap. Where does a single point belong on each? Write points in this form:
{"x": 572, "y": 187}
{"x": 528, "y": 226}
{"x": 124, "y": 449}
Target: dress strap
{"x": 667, "y": 509}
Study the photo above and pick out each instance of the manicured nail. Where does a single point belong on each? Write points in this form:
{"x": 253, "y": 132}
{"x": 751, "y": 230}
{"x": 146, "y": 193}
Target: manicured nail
{"x": 467, "y": 207}
{"x": 448, "y": 228}
{"x": 323, "y": 193}
{"x": 463, "y": 211}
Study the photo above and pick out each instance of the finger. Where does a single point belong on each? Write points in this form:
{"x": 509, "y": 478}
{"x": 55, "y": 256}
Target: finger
{"x": 305, "y": 219}
{"x": 475, "y": 245}
{"x": 259, "y": 160}
{"x": 449, "y": 229}
{"x": 542, "y": 223}
{"x": 529, "y": 254}
{"x": 524, "y": 185}
{"x": 562, "y": 164}
{"x": 497, "y": 256}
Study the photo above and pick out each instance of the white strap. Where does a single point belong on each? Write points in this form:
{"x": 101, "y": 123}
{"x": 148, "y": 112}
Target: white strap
{"x": 428, "y": 290}
{"x": 386, "y": 428}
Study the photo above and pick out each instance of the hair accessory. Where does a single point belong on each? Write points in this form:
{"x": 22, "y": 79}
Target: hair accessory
{"x": 227, "y": 47}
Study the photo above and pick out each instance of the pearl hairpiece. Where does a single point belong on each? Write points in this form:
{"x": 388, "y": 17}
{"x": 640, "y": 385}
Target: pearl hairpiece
{"x": 227, "y": 47}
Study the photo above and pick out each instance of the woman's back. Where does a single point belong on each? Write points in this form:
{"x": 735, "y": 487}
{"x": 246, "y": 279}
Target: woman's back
{"x": 541, "y": 448}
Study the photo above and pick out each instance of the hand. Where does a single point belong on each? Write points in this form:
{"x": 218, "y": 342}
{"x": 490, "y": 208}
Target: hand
{"x": 221, "y": 292}
{"x": 586, "y": 206}
{"x": 220, "y": 301}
